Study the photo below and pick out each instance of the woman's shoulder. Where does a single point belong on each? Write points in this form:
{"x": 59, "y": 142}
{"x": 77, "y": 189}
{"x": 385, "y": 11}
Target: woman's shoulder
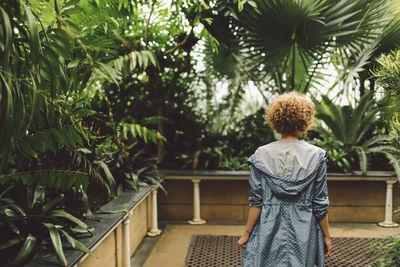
{"x": 301, "y": 148}
{"x": 297, "y": 144}
{"x": 312, "y": 148}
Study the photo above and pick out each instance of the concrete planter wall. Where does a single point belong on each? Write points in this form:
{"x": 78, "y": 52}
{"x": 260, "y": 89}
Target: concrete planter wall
{"x": 353, "y": 198}
{"x": 116, "y": 235}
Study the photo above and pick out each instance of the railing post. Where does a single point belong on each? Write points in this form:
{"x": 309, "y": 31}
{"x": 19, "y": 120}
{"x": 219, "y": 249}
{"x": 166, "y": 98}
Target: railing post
{"x": 126, "y": 250}
{"x": 388, "y": 222}
{"x": 196, "y": 203}
{"x": 154, "y": 231}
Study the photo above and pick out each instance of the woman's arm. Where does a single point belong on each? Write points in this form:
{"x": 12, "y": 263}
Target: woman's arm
{"x": 327, "y": 236}
{"x": 254, "y": 213}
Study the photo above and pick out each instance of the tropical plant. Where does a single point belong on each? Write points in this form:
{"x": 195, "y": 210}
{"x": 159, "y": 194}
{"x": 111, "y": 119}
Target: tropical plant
{"x": 298, "y": 38}
{"x": 365, "y": 58}
{"x": 29, "y": 216}
{"x": 392, "y": 149}
{"x": 391, "y": 247}
{"x": 339, "y": 158}
{"x": 353, "y": 129}
{"x": 53, "y": 56}
{"x": 388, "y": 73}
{"x": 159, "y": 90}
{"x": 226, "y": 150}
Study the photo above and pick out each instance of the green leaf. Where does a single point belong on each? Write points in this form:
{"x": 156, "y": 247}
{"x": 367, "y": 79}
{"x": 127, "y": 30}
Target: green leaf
{"x": 75, "y": 135}
{"x": 33, "y": 35}
{"x": 56, "y": 241}
{"x": 61, "y": 50}
{"x": 66, "y": 215}
{"x": 139, "y": 58}
{"x": 13, "y": 227}
{"x": 362, "y": 155}
{"x": 81, "y": 113}
{"x": 26, "y": 250}
{"x": 85, "y": 201}
{"x": 38, "y": 196}
{"x": 84, "y": 150}
{"x": 17, "y": 209}
{"x": 8, "y": 38}
{"x": 50, "y": 204}
{"x": 76, "y": 244}
{"x": 26, "y": 147}
{"x": 9, "y": 243}
{"x": 71, "y": 11}
{"x": 82, "y": 231}
{"x": 10, "y": 212}
{"x": 109, "y": 176}
{"x": 240, "y": 6}
{"x": 6, "y": 190}
{"x": 57, "y": 136}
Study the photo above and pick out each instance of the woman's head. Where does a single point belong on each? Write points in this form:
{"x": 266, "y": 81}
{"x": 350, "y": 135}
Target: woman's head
{"x": 290, "y": 114}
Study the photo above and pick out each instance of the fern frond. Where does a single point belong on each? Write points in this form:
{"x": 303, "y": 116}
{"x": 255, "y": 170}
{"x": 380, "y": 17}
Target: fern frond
{"x": 139, "y": 131}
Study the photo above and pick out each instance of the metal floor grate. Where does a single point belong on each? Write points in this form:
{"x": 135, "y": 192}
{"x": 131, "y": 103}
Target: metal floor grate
{"x": 223, "y": 251}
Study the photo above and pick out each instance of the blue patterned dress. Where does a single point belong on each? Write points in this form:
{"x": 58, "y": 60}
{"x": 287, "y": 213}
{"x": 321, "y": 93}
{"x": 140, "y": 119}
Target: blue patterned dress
{"x": 288, "y": 180}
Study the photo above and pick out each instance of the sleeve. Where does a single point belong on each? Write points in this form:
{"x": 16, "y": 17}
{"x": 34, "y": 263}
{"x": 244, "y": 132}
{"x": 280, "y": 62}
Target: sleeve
{"x": 256, "y": 190}
{"x": 320, "y": 200}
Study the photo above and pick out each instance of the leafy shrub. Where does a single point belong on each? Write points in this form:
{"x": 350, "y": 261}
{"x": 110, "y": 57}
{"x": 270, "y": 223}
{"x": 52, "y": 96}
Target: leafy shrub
{"x": 33, "y": 213}
{"x": 348, "y": 132}
{"x": 391, "y": 247}
{"x": 53, "y": 56}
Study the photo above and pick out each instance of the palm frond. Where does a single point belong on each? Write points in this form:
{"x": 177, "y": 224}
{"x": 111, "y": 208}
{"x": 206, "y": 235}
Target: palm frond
{"x": 289, "y": 38}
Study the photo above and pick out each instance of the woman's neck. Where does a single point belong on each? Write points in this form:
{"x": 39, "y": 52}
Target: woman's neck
{"x": 289, "y": 137}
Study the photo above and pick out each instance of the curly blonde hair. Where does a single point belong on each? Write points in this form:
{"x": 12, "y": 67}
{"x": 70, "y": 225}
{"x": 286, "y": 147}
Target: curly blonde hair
{"x": 290, "y": 114}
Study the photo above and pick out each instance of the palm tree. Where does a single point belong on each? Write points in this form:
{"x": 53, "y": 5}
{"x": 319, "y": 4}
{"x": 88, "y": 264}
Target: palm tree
{"x": 289, "y": 43}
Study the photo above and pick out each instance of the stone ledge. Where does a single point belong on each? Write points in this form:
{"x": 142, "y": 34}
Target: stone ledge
{"x": 244, "y": 175}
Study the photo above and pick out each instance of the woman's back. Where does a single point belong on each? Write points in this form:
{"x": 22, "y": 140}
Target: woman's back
{"x": 287, "y": 223}
{"x": 291, "y": 159}
{"x": 288, "y": 179}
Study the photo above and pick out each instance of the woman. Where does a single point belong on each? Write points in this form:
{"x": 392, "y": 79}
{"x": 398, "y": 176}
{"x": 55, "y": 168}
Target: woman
{"x": 287, "y": 223}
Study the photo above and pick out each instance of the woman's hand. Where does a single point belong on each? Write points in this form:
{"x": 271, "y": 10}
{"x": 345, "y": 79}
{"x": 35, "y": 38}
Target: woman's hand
{"x": 328, "y": 245}
{"x": 243, "y": 240}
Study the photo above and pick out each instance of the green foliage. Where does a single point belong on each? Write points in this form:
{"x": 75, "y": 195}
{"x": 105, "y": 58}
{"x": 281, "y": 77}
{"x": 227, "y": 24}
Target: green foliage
{"x": 349, "y": 131}
{"x": 228, "y": 150}
{"x": 89, "y": 90}
{"x": 388, "y": 73}
{"x": 54, "y": 55}
{"x": 32, "y": 217}
{"x": 339, "y": 158}
{"x": 137, "y": 130}
{"x": 305, "y": 36}
{"x": 391, "y": 247}
{"x": 58, "y": 179}
{"x": 392, "y": 149}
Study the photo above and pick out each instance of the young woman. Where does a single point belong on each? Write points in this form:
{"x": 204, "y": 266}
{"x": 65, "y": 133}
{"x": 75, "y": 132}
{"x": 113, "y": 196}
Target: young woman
{"x": 288, "y": 220}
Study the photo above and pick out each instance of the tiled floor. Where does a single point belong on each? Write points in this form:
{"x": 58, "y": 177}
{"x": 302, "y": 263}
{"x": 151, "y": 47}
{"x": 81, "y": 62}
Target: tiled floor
{"x": 171, "y": 248}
